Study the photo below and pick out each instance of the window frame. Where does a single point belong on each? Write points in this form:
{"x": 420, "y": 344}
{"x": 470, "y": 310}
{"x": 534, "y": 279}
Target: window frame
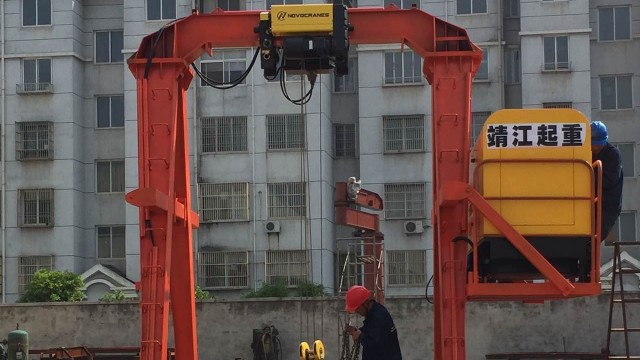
{"x": 510, "y": 14}
{"x": 37, "y": 71}
{"x": 46, "y": 153}
{"x": 616, "y": 77}
{"x": 22, "y": 276}
{"x": 471, "y": 12}
{"x": 340, "y": 83}
{"x": 41, "y": 194}
{"x": 290, "y": 143}
{"x": 405, "y": 119}
{"x": 416, "y": 80}
{"x": 291, "y": 200}
{"x": 485, "y": 61}
{"x": 112, "y": 174}
{"x": 22, "y": 14}
{"x": 344, "y": 131}
{"x": 111, "y": 106}
{"x": 404, "y": 4}
{"x": 405, "y": 264}
{"x": 111, "y": 241}
{"x": 617, "y": 228}
{"x": 270, "y": 265}
{"x": 476, "y": 128}
{"x": 226, "y": 262}
{"x": 216, "y": 3}
{"x": 614, "y": 32}
{"x": 162, "y": 18}
{"x": 111, "y": 60}
{"x": 513, "y": 56}
{"x": 220, "y": 57}
{"x": 557, "y": 65}
{"x": 210, "y": 129}
{"x": 283, "y": 2}
{"x": 407, "y": 198}
{"x": 234, "y": 193}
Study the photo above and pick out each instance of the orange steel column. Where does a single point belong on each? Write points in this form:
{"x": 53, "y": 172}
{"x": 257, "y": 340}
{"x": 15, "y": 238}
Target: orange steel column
{"x": 161, "y": 68}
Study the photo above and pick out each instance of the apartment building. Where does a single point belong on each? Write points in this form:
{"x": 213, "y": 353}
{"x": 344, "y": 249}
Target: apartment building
{"x": 262, "y": 168}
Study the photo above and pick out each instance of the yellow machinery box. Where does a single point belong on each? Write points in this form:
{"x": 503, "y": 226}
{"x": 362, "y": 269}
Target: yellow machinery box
{"x": 534, "y": 168}
{"x": 301, "y": 19}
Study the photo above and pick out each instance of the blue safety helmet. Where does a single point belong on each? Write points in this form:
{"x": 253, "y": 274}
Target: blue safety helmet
{"x": 598, "y": 133}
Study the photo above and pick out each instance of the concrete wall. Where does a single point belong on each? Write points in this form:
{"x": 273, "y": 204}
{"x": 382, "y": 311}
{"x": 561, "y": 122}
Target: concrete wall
{"x": 225, "y": 327}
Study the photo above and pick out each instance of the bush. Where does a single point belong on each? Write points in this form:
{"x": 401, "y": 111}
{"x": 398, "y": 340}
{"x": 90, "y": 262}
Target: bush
{"x": 201, "y": 294}
{"x": 309, "y": 289}
{"x": 278, "y": 289}
{"x": 53, "y": 286}
{"x": 116, "y": 295}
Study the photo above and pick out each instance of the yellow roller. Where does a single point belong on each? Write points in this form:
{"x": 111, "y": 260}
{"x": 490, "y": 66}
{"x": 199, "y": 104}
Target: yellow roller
{"x": 318, "y": 349}
{"x": 304, "y": 350}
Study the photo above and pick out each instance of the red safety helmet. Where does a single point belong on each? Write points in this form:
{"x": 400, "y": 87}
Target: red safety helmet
{"x": 356, "y": 296}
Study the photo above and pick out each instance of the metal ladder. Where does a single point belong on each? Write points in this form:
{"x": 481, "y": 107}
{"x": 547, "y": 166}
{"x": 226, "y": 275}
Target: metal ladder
{"x": 618, "y": 297}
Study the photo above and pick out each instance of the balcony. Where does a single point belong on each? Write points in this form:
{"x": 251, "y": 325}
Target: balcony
{"x": 34, "y": 88}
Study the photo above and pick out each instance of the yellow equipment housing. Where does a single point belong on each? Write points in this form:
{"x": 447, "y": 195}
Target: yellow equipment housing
{"x": 544, "y": 187}
{"x": 313, "y": 19}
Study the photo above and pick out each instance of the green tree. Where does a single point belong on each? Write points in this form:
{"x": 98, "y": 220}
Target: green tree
{"x": 278, "y": 289}
{"x": 309, "y": 289}
{"x": 201, "y": 294}
{"x": 53, "y": 286}
{"x": 115, "y": 295}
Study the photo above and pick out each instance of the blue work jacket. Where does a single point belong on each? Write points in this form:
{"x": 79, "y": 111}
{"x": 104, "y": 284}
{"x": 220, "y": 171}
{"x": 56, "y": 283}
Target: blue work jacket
{"x": 379, "y": 337}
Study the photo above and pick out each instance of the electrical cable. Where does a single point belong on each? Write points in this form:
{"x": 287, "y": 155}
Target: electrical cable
{"x": 230, "y": 84}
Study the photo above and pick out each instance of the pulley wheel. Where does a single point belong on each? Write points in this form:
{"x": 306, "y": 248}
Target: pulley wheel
{"x": 318, "y": 349}
{"x": 304, "y": 351}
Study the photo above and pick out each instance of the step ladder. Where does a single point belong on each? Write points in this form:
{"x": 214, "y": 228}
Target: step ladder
{"x": 618, "y": 297}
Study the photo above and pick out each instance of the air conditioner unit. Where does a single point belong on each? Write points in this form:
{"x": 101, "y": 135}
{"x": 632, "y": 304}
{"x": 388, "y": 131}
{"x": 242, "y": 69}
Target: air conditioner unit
{"x": 413, "y": 227}
{"x": 272, "y": 226}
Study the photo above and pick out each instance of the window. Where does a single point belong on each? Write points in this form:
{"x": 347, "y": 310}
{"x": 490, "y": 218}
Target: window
{"x": 347, "y": 83}
{"x": 110, "y": 176}
{"x": 111, "y": 242}
{"x": 405, "y": 201}
{"x": 615, "y": 92}
{"x": 407, "y": 267}
{"x": 403, "y": 133}
{"x": 224, "y": 134}
{"x": 349, "y": 268}
{"x": 511, "y": 8}
{"x": 287, "y": 199}
{"x": 344, "y": 136}
{"x": 558, "y": 105}
{"x": 283, "y": 2}
{"x": 161, "y": 9}
{"x": 403, "y": 4}
{"x": 35, "y": 207}
{"x": 34, "y": 140}
{"x": 288, "y": 267}
{"x": 625, "y": 228}
{"x": 402, "y": 68}
{"x": 483, "y": 69}
{"x": 224, "y": 202}
{"x": 223, "y": 269}
{"x": 512, "y": 68}
{"x": 28, "y": 266}
{"x": 207, "y": 6}
{"x": 556, "y": 53}
{"x": 285, "y": 132}
{"x": 627, "y": 153}
{"x": 472, "y": 7}
{"x": 224, "y": 66}
{"x": 478, "y": 119}
{"x": 1, "y": 275}
{"x": 614, "y": 23}
{"x": 109, "y": 47}
{"x": 36, "y": 76}
{"x": 36, "y": 12}
{"x": 110, "y": 111}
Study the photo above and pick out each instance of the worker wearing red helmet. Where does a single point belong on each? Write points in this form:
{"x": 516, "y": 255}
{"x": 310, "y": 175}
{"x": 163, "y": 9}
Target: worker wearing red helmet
{"x": 611, "y": 176}
{"x": 378, "y": 335}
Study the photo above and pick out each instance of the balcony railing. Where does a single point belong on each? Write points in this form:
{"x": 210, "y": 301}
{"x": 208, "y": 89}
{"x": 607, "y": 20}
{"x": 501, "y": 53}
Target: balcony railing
{"x": 34, "y": 88}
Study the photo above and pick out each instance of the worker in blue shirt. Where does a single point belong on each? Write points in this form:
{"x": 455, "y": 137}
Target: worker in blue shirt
{"x": 611, "y": 176}
{"x": 378, "y": 335}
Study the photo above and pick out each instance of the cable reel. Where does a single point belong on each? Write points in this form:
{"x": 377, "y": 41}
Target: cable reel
{"x": 317, "y": 353}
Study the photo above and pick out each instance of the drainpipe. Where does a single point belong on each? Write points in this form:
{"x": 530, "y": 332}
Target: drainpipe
{"x": 3, "y": 191}
{"x": 501, "y": 54}
{"x": 253, "y": 174}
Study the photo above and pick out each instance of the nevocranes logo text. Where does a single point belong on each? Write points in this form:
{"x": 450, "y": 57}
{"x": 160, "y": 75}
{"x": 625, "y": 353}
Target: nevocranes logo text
{"x": 283, "y": 15}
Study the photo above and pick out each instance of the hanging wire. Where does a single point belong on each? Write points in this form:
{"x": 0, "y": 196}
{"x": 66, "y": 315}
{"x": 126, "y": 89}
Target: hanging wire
{"x": 230, "y": 84}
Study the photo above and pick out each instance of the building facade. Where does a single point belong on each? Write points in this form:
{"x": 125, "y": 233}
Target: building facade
{"x": 263, "y": 169}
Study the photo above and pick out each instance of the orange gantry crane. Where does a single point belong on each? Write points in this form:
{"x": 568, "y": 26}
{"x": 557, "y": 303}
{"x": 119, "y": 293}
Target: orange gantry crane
{"x": 294, "y": 38}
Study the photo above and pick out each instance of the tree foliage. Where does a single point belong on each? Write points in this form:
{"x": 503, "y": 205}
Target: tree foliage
{"x": 53, "y": 286}
{"x": 114, "y": 295}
